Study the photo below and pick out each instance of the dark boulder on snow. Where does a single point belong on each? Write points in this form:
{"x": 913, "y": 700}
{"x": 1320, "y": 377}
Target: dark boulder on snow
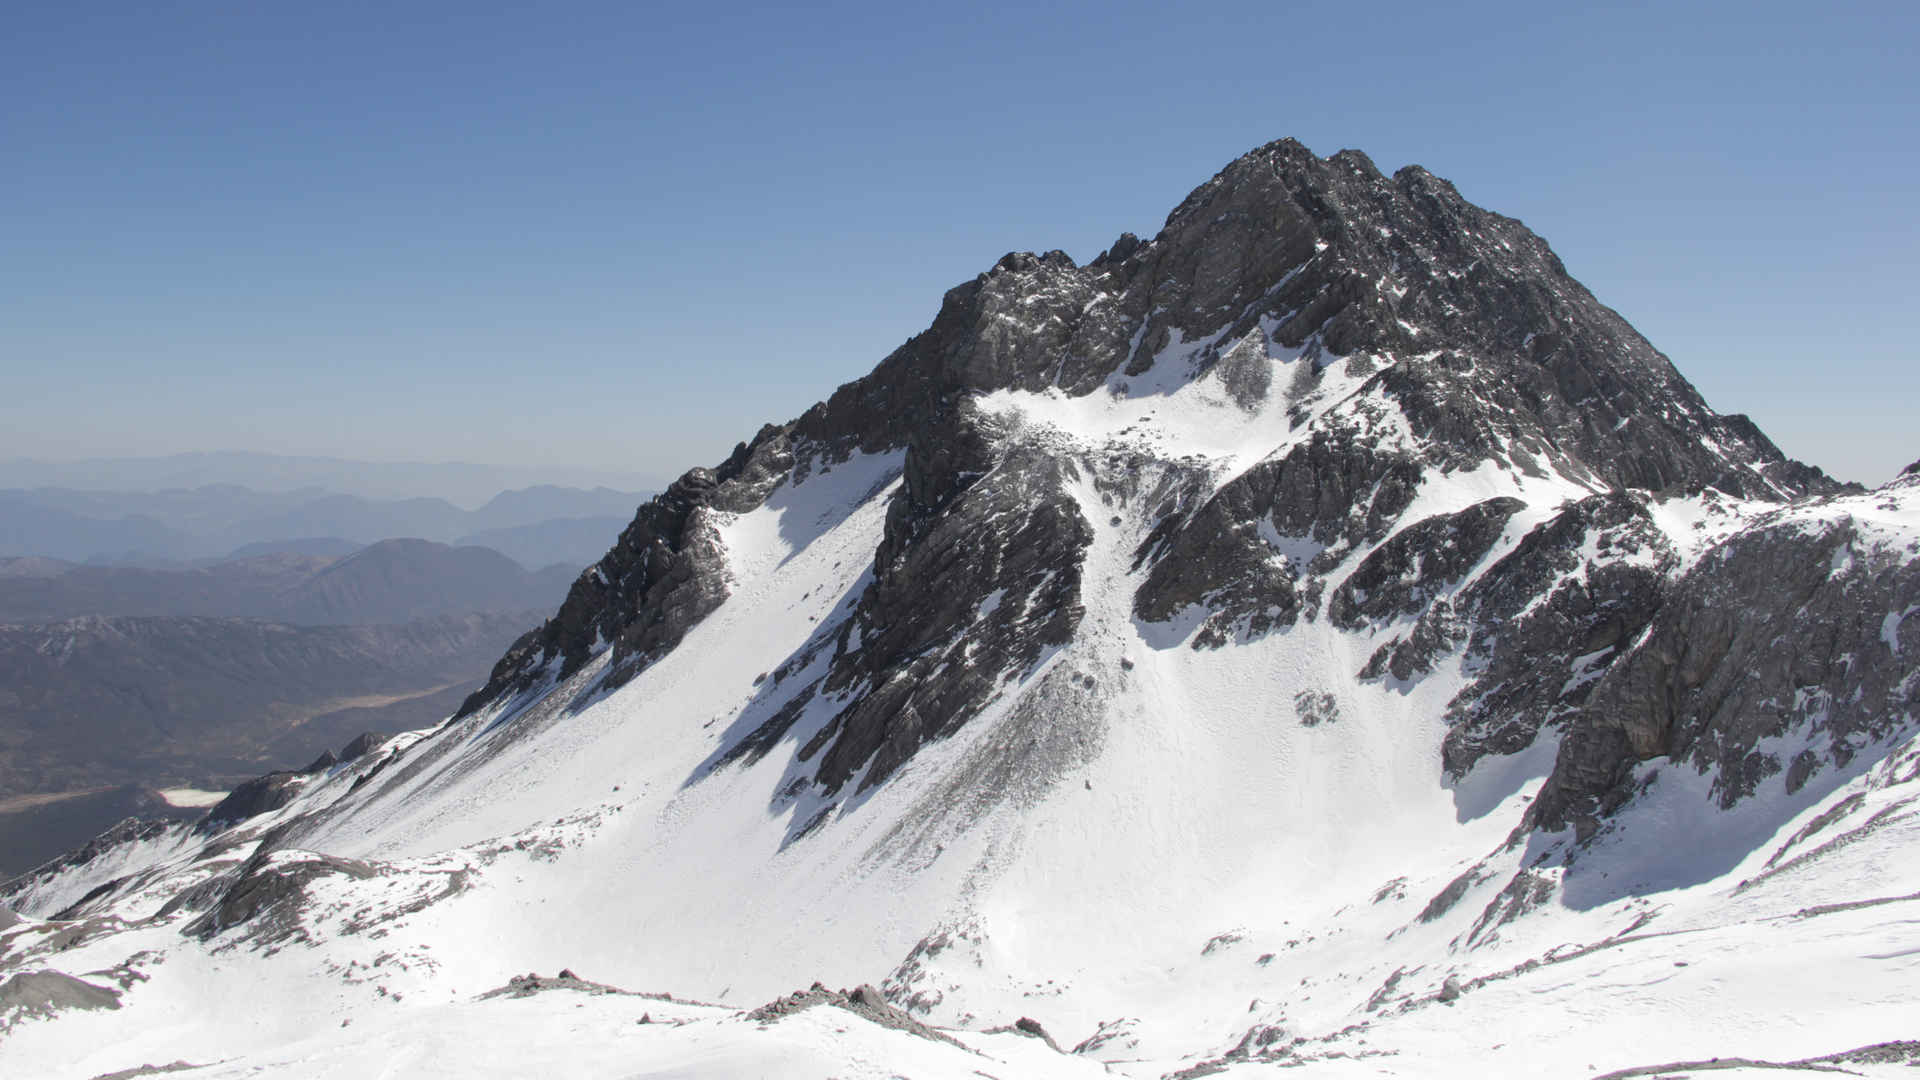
{"x": 1028, "y": 1026}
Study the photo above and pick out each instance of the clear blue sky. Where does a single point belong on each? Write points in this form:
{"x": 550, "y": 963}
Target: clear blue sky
{"x": 627, "y": 234}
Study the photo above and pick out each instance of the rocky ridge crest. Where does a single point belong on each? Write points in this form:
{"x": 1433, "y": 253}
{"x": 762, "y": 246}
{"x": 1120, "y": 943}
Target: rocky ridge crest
{"x": 1421, "y": 337}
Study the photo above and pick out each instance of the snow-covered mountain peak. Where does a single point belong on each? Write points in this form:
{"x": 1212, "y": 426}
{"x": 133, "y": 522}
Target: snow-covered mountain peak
{"x": 1320, "y": 632}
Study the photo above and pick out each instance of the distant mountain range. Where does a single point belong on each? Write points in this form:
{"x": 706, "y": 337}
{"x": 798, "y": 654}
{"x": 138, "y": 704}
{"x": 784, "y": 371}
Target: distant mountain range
{"x": 118, "y": 680}
{"x": 205, "y": 702}
{"x": 462, "y": 483}
{"x": 386, "y": 582}
{"x": 243, "y": 613}
{"x": 536, "y": 526}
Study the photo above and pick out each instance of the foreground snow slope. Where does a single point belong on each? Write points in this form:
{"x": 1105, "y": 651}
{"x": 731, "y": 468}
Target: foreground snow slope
{"x": 1210, "y": 868}
{"x": 1208, "y": 655}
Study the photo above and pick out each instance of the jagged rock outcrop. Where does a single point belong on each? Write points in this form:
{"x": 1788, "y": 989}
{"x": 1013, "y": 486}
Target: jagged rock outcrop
{"x": 1327, "y": 495}
{"x": 1404, "y": 575}
{"x": 664, "y": 574}
{"x": 863, "y": 1001}
{"x": 1539, "y": 626}
{"x": 1793, "y": 626}
{"x": 363, "y": 744}
{"x": 968, "y": 587}
{"x": 261, "y": 795}
{"x": 272, "y": 887}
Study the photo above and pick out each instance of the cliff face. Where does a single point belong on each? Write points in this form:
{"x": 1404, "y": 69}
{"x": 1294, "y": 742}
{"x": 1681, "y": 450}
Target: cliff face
{"x": 1786, "y": 652}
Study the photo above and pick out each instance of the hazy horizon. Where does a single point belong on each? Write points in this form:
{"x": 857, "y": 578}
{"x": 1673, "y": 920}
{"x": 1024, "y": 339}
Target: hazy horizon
{"x": 628, "y": 238}
{"x": 466, "y": 484}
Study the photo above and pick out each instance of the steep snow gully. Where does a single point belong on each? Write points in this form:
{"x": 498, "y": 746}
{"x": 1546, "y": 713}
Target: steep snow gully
{"x": 1321, "y": 636}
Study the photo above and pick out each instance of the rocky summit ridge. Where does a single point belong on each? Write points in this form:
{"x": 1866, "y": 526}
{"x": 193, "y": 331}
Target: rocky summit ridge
{"x": 1320, "y": 634}
{"x": 1396, "y": 303}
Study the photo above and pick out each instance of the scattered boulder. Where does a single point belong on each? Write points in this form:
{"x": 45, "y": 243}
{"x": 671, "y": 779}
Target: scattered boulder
{"x": 1031, "y": 1028}
{"x": 1220, "y": 941}
{"x": 1027, "y": 1025}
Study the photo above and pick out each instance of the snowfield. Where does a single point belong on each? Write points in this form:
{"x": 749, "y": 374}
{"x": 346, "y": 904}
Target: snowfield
{"x": 1181, "y": 873}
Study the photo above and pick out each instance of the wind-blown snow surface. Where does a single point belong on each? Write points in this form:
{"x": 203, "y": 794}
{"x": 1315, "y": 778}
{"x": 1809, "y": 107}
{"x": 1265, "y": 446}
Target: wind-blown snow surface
{"x": 1203, "y": 856}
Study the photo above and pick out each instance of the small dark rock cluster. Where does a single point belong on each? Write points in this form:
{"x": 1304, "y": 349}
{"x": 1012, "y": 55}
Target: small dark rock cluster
{"x": 521, "y": 986}
{"x": 863, "y": 1001}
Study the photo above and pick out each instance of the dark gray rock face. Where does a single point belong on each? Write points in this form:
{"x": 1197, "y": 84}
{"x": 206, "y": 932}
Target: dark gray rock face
{"x": 1402, "y": 575}
{"x": 967, "y": 588}
{"x": 1329, "y": 494}
{"x": 1796, "y": 626}
{"x": 1539, "y": 626}
{"x": 1498, "y": 344}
